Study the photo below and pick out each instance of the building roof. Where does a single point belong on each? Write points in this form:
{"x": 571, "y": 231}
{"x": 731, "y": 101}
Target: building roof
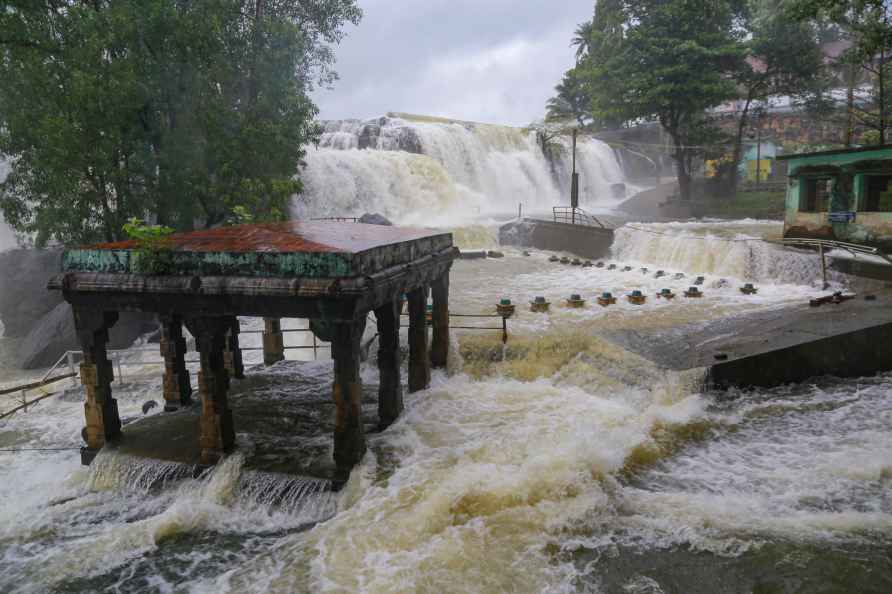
{"x": 285, "y": 237}
{"x": 865, "y": 149}
{"x": 292, "y": 249}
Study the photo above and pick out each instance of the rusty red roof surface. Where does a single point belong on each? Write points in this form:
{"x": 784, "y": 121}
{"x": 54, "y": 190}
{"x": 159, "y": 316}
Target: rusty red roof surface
{"x": 286, "y": 237}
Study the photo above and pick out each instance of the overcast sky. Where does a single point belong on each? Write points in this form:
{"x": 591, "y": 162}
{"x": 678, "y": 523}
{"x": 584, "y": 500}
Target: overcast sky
{"x": 483, "y": 60}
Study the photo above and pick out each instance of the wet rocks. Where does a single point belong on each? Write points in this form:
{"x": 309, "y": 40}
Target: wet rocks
{"x": 54, "y": 334}
{"x": 24, "y": 298}
{"x": 373, "y": 218}
{"x": 516, "y": 233}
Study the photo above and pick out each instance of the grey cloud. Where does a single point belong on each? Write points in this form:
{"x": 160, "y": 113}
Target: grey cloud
{"x": 485, "y": 60}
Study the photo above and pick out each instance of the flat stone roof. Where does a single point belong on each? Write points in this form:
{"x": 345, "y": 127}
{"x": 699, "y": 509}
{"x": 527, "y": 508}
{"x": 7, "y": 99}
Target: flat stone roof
{"x": 314, "y": 249}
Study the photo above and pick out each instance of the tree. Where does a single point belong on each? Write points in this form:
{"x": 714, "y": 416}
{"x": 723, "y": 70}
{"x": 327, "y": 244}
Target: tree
{"x": 668, "y": 60}
{"x": 572, "y": 101}
{"x": 868, "y": 25}
{"x": 181, "y": 112}
{"x": 782, "y": 57}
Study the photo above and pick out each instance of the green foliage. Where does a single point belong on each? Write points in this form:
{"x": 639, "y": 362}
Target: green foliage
{"x": 178, "y": 110}
{"x": 781, "y": 57}
{"x": 668, "y": 60}
{"x": 239, "y": 216}
{"x": 153, "y": 253}
{"x": 757, "y": 205}
{"x": 868, "y": 25}
{"x": 572, "y": 101}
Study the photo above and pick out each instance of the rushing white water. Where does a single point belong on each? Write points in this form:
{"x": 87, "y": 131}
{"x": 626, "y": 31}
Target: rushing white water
{"x": 7, "y": 238}
{"x": 734, "y": 249}
{"x": 557, "y": 469}
{"x": 437, "y": 172}
{"x": 555, "y": 463}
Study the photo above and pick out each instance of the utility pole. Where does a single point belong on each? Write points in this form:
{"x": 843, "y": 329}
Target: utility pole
{"x": 574, "y": 183}
{"x": 758, "y": 149}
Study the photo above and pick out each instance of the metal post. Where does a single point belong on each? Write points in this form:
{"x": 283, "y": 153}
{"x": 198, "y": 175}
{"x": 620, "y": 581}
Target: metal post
{"x": 758, "y": 149}
{"x": 574, "y": 183}
{"x": 823, "y": 266}
{"x": 70, "y": 356}
{"x": 519, "y": 210}
{"x": 504, "y": 330}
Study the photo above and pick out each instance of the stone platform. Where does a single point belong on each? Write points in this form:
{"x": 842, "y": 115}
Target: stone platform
{"x": 775, "y": 347}
{"x": 285, "y": 418}
{"x": 333, "y": 273}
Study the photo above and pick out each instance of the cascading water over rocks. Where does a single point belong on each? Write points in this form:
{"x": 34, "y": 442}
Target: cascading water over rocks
{"x": 424, "y": 170}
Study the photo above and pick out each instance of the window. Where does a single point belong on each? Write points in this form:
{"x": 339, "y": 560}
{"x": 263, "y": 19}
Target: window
{"x": 879, "y": 193}
{"x": 814, "y": 194}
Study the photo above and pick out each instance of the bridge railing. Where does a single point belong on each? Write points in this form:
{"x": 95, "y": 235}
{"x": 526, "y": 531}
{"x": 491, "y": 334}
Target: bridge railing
{"x": 575, "y": 216}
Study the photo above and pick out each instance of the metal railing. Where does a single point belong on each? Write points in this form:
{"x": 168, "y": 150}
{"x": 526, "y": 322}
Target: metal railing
{"x": 68, "y": 359}
{"x": 315, "y": 346}
{"x": 503, "y": 327}
{"x": 824, "y": 244}
{"x": 337, "y": 219}
{"x": 575, "y": 216}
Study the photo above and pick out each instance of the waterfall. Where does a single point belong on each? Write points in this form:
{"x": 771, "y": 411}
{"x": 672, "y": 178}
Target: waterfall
{"x": 7, "y": 237}
{"x": 719, "y": 249}
{"x": 429, "y": 171}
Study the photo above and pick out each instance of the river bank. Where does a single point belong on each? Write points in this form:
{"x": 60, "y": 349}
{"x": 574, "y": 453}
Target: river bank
{"x": 560, "y": 463}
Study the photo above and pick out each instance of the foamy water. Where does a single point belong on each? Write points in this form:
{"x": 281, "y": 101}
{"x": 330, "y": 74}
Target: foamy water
{"x": 559, "y": 464}
{"x": 439, "y": 173}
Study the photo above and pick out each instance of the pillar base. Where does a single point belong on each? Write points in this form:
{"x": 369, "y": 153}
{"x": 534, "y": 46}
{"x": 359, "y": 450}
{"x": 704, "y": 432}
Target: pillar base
{"x": 88, "y": 455}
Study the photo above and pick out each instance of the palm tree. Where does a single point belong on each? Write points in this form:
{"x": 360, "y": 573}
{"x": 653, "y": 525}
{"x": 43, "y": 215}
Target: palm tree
{"x": 582, "y": 39}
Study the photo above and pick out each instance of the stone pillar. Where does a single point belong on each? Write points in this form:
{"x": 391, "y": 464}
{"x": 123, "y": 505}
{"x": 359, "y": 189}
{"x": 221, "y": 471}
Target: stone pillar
{"x": 100, "y": 409}
{"x": 273, "y": 343}
{"x": 419, "y": 362}
{"x": 390, "y": 391}
{"x": 440, "y": 317}
{"x": 177, "y": 387}
{"x": 216, "y": 433}
{"x": 349, "y": 439}
{"x": 232, "y": 355}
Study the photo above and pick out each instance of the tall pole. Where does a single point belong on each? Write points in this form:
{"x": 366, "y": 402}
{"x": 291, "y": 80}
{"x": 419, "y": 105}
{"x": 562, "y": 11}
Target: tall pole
{"x": 574, "y": 183}
{"x": 758, "y": 149}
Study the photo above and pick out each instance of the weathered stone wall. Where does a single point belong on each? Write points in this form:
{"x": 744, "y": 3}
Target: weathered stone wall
{"x": 24, "y": 298}
{"x": 586, "y": 242}
{"x": 29, "y": 310}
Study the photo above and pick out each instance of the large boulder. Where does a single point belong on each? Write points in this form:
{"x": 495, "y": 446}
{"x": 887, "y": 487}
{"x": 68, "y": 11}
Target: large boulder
{"x": 24, "y": 298}
{"x": 373, "y": 218}
{"x": 54, "y": 334}
{"x": 517, "y": 233}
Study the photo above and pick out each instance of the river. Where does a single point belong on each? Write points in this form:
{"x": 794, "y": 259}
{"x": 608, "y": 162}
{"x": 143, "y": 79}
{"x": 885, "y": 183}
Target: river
{"x": 559, "y": 463}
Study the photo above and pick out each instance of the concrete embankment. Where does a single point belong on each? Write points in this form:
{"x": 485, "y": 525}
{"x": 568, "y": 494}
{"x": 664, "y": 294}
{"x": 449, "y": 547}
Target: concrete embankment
{"x": 776, "y": 347}
{"x": 583, "y": 241}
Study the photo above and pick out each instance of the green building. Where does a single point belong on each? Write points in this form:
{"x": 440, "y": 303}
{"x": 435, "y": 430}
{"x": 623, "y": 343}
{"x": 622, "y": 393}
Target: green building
{"x": 841, "y": 196}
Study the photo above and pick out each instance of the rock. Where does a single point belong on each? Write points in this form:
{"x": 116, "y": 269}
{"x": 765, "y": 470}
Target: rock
{"x": 54, "y": 334}
{"x": 618, "y": 190}
{"x": 149, "y": 405}
{"x": 368, "y": 136}
{"x": 494, "y": 254}
{"x": 24, "y": 298}
{"x": 472, "y": 254}
{"x": 408, "y": 140}
{"x": 373, "y": 218}
{"x": 516, "y": 233}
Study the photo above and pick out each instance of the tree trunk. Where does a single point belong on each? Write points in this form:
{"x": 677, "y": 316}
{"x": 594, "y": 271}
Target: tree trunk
{"x": 882, "y": 98}
{"x": 850, "y": 106}
{"x": 738, "y": 147}
{"x": 682, "y": 173}
{"x": 681, "y": 170}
